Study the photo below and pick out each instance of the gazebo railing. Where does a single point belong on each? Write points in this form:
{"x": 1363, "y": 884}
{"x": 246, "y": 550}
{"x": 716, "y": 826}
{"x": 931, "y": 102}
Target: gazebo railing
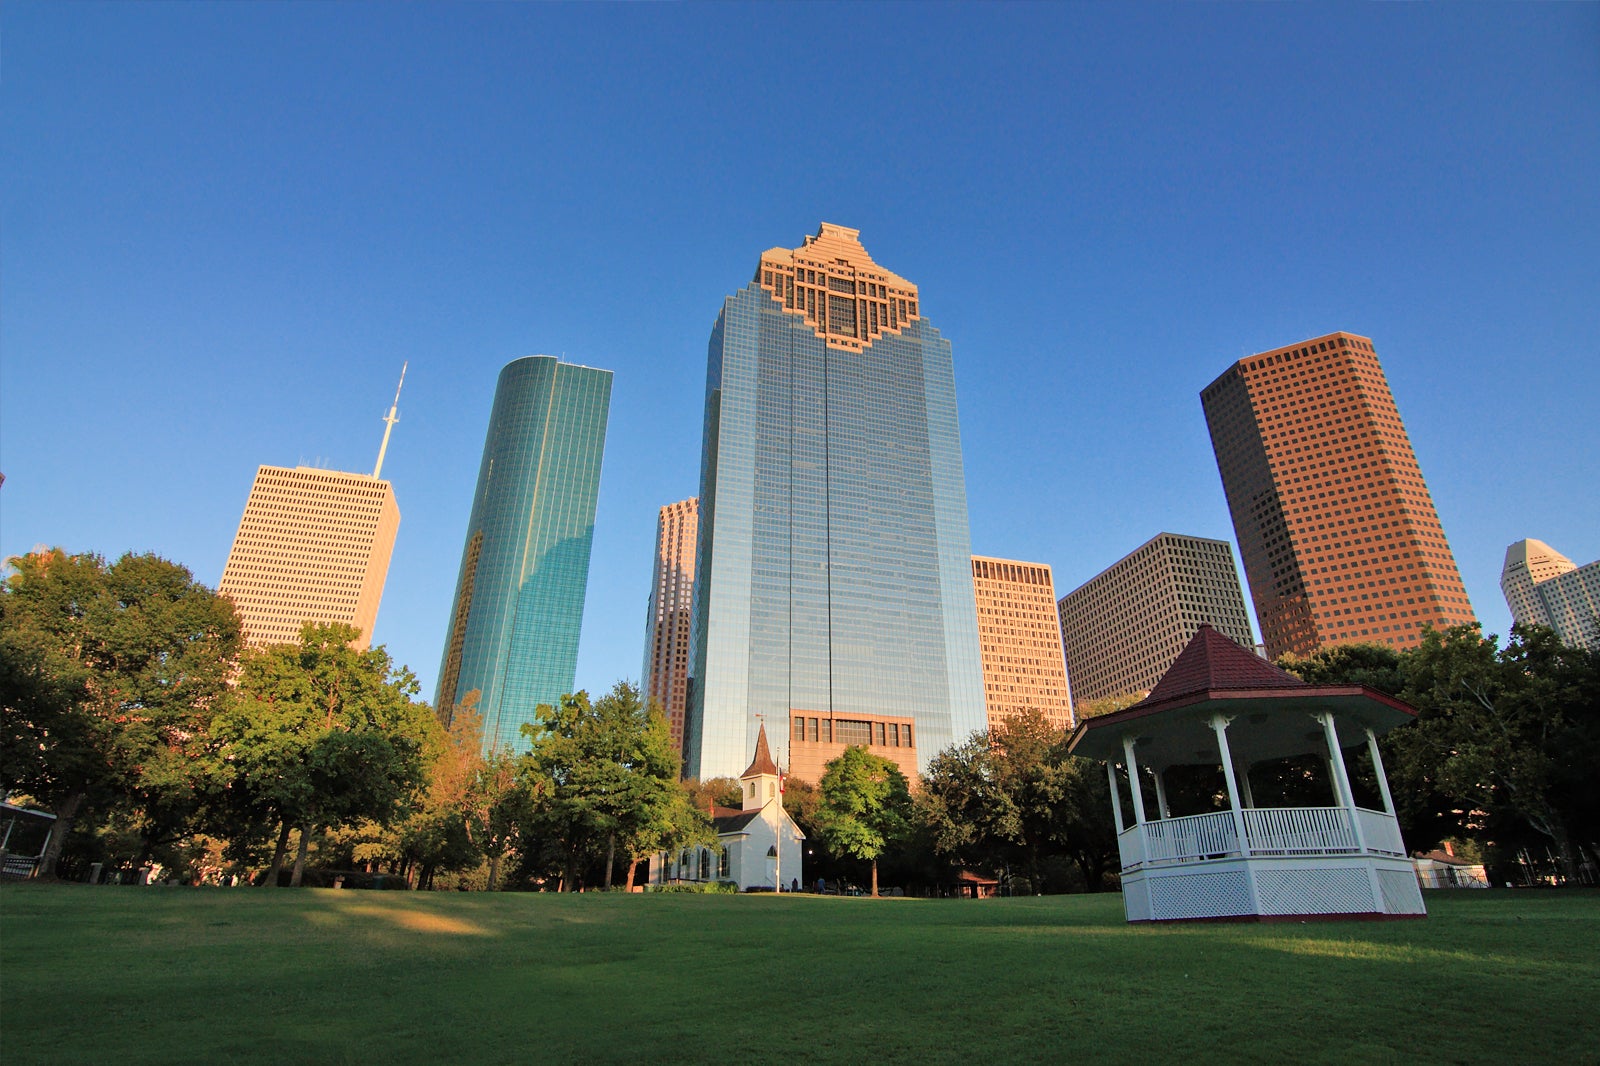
{"x": 1381, "y": 832}
{"x": 1269, "y": 831}
{"x": 1194, "y": 836}
{"x": 1299, "y": 830}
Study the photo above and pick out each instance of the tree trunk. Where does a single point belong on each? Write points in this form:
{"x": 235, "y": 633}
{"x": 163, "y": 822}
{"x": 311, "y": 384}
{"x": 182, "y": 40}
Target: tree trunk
{"x": 300, "y": 857}
{"x": 494, "y": 871}
{"x": 633, "y": 865}
{"x": 277, "y": 857}
{"x": 66, "y": 813}
{"x": 611, "y": 858}
{"x": 874, "y": 877}
{"x": 1569, "y": 861}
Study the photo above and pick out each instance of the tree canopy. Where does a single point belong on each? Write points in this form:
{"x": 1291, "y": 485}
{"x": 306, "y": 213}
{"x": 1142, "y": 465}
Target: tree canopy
{"x": 865, "y": 808}
{"x": 609, "y": 778}
{"x": 320, "y": 735}
{"x": 107, "y": 677}
{"x": 1012, "y": 799}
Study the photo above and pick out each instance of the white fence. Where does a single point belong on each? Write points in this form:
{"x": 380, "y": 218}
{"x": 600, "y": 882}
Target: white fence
{"x": 1283, "y": 831}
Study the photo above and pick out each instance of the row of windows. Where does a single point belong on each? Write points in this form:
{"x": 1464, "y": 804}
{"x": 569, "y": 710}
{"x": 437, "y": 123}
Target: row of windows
{"x": 853, "y": 732}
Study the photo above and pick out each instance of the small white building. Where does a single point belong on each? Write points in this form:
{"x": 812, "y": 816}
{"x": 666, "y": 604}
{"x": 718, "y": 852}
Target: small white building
{"x": 761, "y": 845}
{"x": 1220, "y": 706}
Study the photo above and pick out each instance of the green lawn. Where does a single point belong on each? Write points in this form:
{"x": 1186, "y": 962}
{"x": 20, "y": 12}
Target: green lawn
{"x": 133, "y": 975}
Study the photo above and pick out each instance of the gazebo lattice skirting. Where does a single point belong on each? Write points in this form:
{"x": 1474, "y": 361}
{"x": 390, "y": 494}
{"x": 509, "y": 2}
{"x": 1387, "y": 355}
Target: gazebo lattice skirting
{"x": 1221, "y": 705}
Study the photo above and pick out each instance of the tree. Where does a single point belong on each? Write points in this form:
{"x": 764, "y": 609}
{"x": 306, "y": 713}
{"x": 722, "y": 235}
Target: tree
{"x": 1374, "y": 665}
{"x": 715, "y": 791}
{"x": 609, "y": 777}
{"x": 866, "y": 806}
{"x": 321, "y": 735}
{"x": 1013, "y": 799}
{"x": 1105, "y": 705}
{"x": 471, "y": 807}
{"x": 107, "y": 678}
{"x": 1513, "y": 732}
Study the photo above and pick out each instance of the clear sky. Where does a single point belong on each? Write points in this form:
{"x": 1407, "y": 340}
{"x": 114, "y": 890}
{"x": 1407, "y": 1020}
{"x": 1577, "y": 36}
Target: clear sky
{"x": 223, "y": 227}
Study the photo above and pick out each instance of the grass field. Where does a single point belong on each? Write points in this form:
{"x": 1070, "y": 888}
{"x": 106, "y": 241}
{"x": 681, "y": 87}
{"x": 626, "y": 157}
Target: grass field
{"x": 132, "y": 975}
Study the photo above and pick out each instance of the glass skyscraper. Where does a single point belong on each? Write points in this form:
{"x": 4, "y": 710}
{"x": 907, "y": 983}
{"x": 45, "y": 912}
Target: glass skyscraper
{"x": 519, "y": 599}
{"x": 834, "y": 575}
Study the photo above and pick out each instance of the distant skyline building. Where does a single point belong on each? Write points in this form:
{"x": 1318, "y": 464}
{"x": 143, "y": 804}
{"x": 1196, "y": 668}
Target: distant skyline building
{"x": 518, "y": 606}
{"x": 1543, "y": 587}
{"x": 1019, "y": 634}
{"x": 834, "y": 576}
{"x": 1123, "y": 628}
{"x": 1336, "y": 528}
{"x": 666, "y": 654}
{"x": 313, "y": 546}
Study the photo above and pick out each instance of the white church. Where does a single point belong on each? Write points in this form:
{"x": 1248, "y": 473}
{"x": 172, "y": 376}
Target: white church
{"x": 761, "y": 845}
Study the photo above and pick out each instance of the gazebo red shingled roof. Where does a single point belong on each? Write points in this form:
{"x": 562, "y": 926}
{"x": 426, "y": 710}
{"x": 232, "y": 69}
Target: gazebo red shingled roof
{"x": 1214, "y": 675}
{"x": 1211, "y": 662}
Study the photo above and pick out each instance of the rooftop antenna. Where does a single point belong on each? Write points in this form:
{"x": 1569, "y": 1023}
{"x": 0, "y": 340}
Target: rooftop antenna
{"x": 391, "y": 419}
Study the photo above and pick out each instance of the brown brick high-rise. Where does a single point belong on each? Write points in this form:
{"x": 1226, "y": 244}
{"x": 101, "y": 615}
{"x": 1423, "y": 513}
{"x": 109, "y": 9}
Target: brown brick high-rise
{"x": 666, "y": 656}
{"x": 1337, "y": 532}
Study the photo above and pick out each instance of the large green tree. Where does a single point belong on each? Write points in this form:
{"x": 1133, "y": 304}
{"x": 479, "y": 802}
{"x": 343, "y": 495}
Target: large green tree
{"x": 320, "y": 734}
{"x": 108, "y": 675}
{"x": 1013, "y": 799}
{"x": 866, "y": 806}
{"x": 606, "y": 781}
{"x": 1513, "y": 732}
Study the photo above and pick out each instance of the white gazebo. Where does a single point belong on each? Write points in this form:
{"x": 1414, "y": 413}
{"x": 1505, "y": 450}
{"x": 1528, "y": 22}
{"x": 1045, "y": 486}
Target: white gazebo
{"x": 1219, "y": 705}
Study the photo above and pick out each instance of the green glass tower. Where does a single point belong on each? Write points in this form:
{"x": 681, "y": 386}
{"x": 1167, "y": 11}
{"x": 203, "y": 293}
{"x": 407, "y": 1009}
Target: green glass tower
{"x": 834, "y": 577}
{"x": 518, "y": 606}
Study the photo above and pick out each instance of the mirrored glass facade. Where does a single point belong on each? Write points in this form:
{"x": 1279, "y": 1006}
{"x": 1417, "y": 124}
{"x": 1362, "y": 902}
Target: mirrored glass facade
{"x": 518, "y": 606}
{"x": 834, "y": 572}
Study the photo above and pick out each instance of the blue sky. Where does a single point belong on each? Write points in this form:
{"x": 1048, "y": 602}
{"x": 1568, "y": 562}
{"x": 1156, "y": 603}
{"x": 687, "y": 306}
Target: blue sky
{"x": 224, "y": 227}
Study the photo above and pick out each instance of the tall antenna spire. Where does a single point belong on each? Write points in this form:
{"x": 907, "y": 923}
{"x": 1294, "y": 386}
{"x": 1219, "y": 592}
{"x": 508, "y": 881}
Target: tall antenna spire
{"x": 391, "y": 419}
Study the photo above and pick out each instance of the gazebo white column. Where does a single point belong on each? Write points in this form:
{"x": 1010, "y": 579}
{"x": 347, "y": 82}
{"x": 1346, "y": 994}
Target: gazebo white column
{"x": 1219, "y": 725}
{"x": 1161, "y": 793}
{"x": 1241, "y": 770}
{"x": 1377, "y": 768}
{"x": 1342, "y": 777}
{"x": 1116, "y": 797}
{"x": 1133, "y": 780}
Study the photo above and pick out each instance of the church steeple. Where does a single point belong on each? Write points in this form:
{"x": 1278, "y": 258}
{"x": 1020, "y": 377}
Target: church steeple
{"x": 759, "y": 783}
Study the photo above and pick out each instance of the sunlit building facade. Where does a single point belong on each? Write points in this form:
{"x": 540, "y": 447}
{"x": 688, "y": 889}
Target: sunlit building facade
{"x": 313, "y": 546}
{"x": 1544, "y": 587}
{"x": 666, "y": 653}
{"x": 1123, "y": 628}
{"x": 834, "y": 574}
{"x": 1020, "y": 636}
{"x": 1336, "y": 527}
{"x": 518, "y": 607}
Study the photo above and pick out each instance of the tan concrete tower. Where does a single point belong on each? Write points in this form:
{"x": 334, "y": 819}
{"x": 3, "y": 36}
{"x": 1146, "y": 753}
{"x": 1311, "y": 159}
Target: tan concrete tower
{"x": 1336, "y": 528}
{"x": 313, "y": 545}
{"x": 666, "y": 656}
{"x": 1126, "y": 625}
{"x": 1020, "y": 637}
